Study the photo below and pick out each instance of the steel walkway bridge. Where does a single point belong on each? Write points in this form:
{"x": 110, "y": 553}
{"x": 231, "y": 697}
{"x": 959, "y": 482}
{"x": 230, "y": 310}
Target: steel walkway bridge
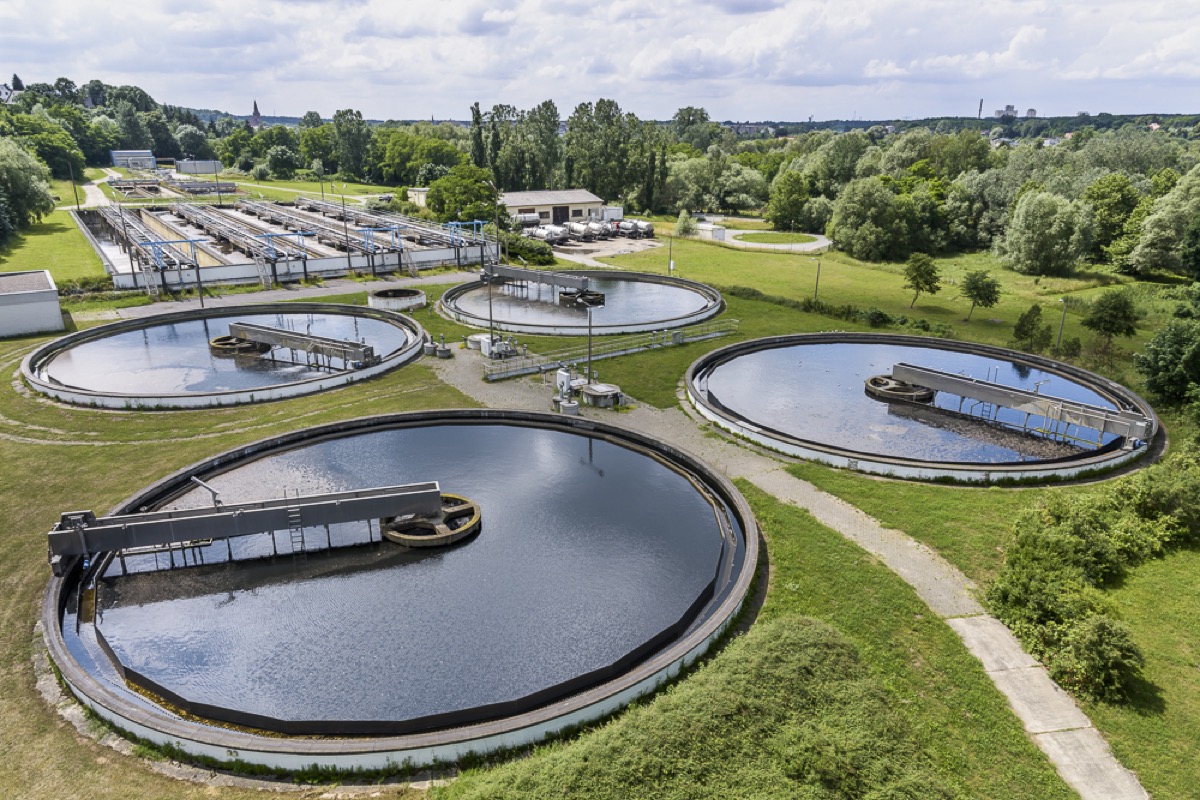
{"x": 352, "y": 353}
{"x": 1056, "y": 411}
{"x": 578, "y": 283}
{"x": 83, "y": 534}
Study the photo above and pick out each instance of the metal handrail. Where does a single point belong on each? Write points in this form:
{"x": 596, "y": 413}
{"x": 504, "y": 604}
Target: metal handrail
{"x": 608, "y": 347}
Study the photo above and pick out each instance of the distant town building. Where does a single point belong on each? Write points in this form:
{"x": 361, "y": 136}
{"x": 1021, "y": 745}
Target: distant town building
{"x": 1031, "y": 113}
{"x": 1007, "y": 111}
{"x": 256, "y": 118}
{"x": 749, "y": 128}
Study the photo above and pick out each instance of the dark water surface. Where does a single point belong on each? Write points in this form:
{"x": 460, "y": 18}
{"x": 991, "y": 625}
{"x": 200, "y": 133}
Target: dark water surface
{"x": 815, "y": 392}
{"x": 587, "y": 550}
{"x": 625, "y": 302}
{"x": 174, "y": 358}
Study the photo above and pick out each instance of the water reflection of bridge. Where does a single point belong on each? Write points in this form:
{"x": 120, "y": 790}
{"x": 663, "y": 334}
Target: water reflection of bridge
{"x": 1057, "y": 414}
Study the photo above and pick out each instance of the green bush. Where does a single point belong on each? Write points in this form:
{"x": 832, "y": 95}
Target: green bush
{"x": 1097, "y": 658}
{"x": 535, "y": 252}
{"x": 1069, "y": 548}
{"x": 86, "y": 285}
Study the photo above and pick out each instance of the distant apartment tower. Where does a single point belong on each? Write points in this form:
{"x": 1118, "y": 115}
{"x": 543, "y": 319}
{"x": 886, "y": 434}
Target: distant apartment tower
{"x": 1007, "y": 111}
{"x": 1031, "y": 113}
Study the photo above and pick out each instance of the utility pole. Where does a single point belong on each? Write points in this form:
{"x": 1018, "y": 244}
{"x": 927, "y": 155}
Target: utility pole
{"x": 1062, "y": 322}
{"x": 71, "y": 171}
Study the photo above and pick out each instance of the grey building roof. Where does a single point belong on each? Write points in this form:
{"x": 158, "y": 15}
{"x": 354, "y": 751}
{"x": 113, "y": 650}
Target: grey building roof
{"x": 549, "y": 198}
{"x": 36, "y": 281}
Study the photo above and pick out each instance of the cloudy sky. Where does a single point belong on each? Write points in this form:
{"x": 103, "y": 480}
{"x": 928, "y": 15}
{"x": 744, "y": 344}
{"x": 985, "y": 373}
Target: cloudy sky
{"x": 740, "y": 59}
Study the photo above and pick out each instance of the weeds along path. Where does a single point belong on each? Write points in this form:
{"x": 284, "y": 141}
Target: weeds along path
{"x": 1050, "y": 716}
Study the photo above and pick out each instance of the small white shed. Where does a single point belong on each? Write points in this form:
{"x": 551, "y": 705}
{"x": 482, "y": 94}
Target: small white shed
{"x": 29, "y": 303}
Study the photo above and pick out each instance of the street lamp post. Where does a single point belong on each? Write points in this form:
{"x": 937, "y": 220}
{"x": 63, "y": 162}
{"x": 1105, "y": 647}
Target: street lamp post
{"x": 346, "y": 233}
{"x": 74, "y": 190}
{"x": 1061, "y": 323}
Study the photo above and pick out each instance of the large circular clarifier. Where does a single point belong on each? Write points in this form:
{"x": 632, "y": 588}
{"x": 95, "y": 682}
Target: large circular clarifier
{"x": 633, "y": 302}
{"x": 169, "y": 361}
{"x": 809, "y": 396}
{"x": 603, "y": 564}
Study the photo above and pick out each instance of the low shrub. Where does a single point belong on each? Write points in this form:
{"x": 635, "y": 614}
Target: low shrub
{"x": 1068, "y": 549}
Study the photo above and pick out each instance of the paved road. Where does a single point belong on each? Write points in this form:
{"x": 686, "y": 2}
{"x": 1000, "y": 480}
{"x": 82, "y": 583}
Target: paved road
{"x": 820, "y": 243}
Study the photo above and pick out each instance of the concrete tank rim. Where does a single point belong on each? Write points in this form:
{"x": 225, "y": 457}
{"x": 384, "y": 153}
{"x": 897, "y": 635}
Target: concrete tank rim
{"x": 192, "y": 400}
{"x": 715, "y": 305}
{"x": 874, "y": 463}
{"x": 656, "y": 668}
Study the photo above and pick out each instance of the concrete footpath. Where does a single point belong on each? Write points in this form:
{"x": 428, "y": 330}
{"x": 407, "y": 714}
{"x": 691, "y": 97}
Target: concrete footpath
{"x": 1051, "y": 717}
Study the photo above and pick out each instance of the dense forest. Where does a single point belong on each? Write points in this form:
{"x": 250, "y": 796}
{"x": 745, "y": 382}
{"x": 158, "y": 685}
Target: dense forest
{"x": 1047, "y": 195}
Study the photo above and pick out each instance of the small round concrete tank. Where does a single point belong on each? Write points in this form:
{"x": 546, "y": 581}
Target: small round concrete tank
{"x": 396, "y": 299}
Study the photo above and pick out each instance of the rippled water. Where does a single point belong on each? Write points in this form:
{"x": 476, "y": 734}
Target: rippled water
{"x": 625, "y": 302}
{"x": 175, "y": 357}
{"x": 587, "y": 550}
{"x": 815, "y": 392}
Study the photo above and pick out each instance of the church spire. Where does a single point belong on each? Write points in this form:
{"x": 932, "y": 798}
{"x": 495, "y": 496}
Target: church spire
{"x": 256, "y": 118}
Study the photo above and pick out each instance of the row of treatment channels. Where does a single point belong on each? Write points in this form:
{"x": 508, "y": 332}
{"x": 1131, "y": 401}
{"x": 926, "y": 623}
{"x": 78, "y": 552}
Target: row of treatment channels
{"x": 182, "y": 245}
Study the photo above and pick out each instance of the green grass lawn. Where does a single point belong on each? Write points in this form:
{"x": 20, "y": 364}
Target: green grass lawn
{"x": 55, "y": 244}
{"x": 745, "y": 224}
{"x": 775, "y": 238}
{"x": 968, "y": 526}
{"x": 1158, "y": 735}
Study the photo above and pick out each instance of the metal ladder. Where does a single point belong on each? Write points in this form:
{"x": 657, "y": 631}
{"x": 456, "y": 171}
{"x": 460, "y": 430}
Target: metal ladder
{"x": 149, "y": 276}
{"x": 296, "y": 529}
{"x": 264, "y": 274}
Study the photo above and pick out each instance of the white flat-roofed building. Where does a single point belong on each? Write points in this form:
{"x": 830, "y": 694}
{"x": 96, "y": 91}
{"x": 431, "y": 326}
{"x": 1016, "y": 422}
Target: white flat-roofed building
{"x": 29, "y": 303}
{"x": 555, "y": 207}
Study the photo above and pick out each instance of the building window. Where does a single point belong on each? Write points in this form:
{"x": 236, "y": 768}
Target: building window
{"x": 526, "y": 210}
{"x": 544, "y": 215}
{"x": 576, "y": 212}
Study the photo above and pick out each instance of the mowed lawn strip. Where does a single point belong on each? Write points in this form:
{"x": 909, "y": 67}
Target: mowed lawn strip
{"x": 56, "y": 244}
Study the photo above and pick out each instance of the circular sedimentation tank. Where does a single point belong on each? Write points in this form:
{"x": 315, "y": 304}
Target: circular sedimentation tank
{"x": 189, "y": 360}
{"x": 598, "y": 569}
{"x": 397, "y": 299}
{"x": 832, "y": 398}
{"x": 633, "y": 302}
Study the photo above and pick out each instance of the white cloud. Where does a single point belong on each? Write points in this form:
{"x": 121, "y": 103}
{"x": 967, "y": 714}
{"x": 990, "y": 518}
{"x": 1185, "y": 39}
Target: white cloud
{"x": 743, "y": 59}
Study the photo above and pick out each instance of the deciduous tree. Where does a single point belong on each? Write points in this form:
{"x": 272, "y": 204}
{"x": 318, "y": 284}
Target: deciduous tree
{"x": 24, "y": 184}
{"x": 1030, "y": 333}
{"x": 981, "y": 289}
{"x": 1112, "y": 314}
{"x": 921, "y": 274}
{"x": 1048, "y": 235}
